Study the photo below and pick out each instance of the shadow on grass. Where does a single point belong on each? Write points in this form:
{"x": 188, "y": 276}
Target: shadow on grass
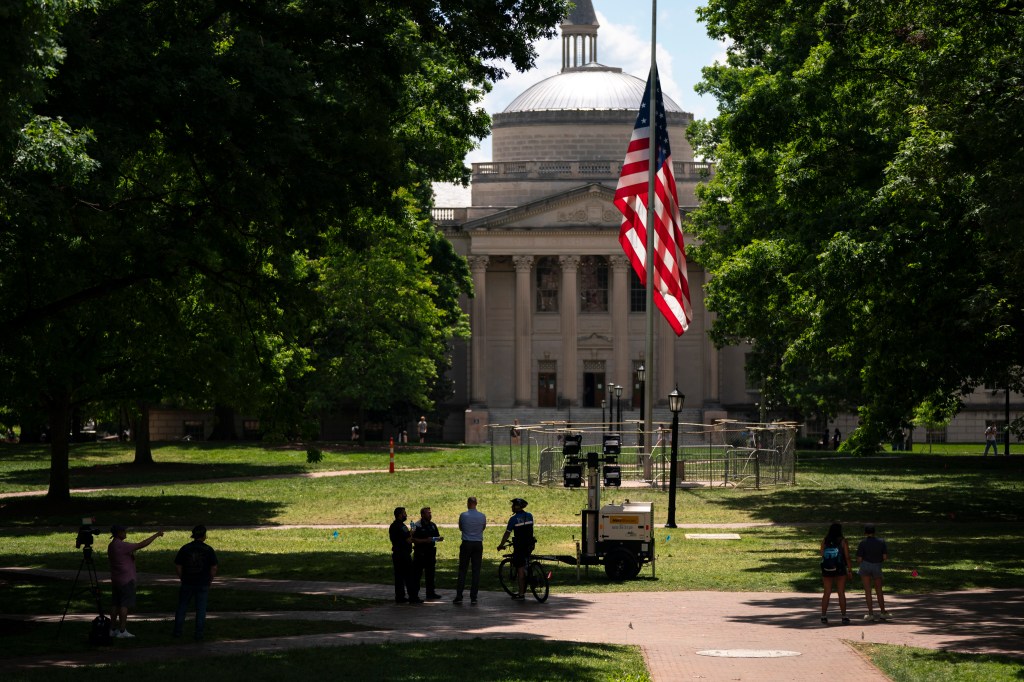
{"x": 168, "y": 510}
{"x": 943, "y": 489}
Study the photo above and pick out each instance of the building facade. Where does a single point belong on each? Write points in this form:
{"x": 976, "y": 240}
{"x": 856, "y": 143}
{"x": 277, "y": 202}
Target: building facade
{"x": 558, "y": 316}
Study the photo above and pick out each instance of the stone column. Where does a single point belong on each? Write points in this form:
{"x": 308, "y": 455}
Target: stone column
{"x": 568, "y": 308}
{"x": 478, "y": 328}
{"x": 523, "y": 338}
{"x": 621, "y": 370}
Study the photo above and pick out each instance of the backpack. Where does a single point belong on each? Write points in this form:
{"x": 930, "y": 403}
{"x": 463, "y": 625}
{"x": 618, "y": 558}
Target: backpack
{"x": 99, "y": 631}
{"x": 831, "y": 560}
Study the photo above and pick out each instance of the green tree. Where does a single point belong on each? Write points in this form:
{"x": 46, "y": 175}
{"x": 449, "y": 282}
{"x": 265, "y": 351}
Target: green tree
{"x": 862, "y": 227}
{"x": 205, "y": 151}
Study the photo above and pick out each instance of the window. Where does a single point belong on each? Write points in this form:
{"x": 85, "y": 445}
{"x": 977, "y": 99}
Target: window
{"x": 194, "y": 429}
{"x": 594, "y": 284}
{"x": 251, "y": 429}
{"x": 549, "y": 276}
{"x": 637, "y": 293}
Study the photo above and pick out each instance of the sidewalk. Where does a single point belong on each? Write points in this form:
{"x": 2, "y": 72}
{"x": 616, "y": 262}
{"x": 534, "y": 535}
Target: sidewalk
{"x": 670, "y": 627}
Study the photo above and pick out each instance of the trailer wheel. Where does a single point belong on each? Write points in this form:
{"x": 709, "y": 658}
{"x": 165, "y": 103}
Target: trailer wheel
{"x": 621, "y": 564}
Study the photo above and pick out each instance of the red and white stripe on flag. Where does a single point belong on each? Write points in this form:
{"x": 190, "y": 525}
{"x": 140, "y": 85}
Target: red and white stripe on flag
{"x": 671, "y": 284}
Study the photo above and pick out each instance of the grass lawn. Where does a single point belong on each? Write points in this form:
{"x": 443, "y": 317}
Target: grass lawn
{"x": 521, "y": 660}
{"x": 907, "y": 664}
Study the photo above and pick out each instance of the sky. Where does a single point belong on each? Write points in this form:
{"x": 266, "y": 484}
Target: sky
{"x": 623, "y": 40}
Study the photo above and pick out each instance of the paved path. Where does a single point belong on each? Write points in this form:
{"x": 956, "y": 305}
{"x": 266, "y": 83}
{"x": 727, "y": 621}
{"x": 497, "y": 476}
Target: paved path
{"x": 670, "y": 627}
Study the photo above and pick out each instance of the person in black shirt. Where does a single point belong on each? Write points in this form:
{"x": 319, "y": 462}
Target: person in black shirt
{"x": 425, "y": 535}
{"x": 196, "y": 566}
{"x": 401, "y": 560}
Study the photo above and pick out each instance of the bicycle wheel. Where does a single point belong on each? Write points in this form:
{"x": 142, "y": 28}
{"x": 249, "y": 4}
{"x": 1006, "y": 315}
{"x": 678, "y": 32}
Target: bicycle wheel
{"x": 507, "y": 577}
{"x": 538, "y": 581}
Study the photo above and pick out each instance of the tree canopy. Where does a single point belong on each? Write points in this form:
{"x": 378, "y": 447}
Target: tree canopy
{"x": 863, "y": 226}
{"x": 180, "y": 179}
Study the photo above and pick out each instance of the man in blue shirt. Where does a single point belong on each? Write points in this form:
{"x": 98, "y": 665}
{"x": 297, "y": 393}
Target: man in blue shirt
{"x": 472, "y": 524}
{"x": 520, "y": 526}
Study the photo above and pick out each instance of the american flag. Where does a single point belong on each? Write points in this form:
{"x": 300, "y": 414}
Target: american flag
{"x": 671, "y": 285}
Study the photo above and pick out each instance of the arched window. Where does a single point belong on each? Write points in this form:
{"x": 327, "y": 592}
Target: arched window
{"x": 549, "y": 278}
{"x": 594, "y": 284}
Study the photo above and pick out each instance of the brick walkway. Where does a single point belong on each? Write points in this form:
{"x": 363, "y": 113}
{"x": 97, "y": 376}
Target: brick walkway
{"x": 670, "y": 627}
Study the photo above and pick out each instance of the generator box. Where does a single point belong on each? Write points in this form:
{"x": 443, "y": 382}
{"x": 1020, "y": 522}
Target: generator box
{"x": 629, "y": 521}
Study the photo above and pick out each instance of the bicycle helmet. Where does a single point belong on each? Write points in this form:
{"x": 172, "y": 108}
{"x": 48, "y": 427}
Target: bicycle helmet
{"x": 520, "y": 502}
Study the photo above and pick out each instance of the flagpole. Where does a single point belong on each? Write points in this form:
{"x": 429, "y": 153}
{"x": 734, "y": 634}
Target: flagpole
{"x": 652, "y": 110}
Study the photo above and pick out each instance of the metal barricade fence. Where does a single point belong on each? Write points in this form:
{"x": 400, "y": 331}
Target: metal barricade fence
{"x": 726, "y": 454}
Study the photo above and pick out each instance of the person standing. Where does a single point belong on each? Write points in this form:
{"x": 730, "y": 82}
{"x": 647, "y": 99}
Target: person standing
{"x": 835, "y": 569}
{"x": 425, "y": 536}
{"x": 196, "y": 566}
{"x": 472, "y": 524}
{"x": 837, "y": 438}
{"x": 514, "y": 432}
{"x": 990, "y": 440}
{"x": 521, "y": 524}
{"x": 122, "y": 577}
{"x": 871, "y": 553}
{"x": 401, "y": 560}
{"x": 421, "y": 428}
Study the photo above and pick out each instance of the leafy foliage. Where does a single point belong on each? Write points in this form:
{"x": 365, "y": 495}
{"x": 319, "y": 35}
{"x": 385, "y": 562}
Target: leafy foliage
{"x": 862, "y": 226}
{"x": 179, "y": 179}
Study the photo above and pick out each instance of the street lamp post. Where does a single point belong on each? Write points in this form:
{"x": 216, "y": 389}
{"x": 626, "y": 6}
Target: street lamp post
{"x": 603, "y": 423}
{"x": 675, "y": 404}
{"x": 611, "y": 406}
{"x": 618, "y": 413}
{"x": 641, "y": 376}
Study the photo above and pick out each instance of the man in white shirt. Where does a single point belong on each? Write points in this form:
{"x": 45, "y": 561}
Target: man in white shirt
{"x": 472, "y": 524}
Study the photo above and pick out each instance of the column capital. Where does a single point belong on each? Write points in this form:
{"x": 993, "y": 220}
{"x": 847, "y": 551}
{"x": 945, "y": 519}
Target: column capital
{"x": 618, "y": 262}
{"x": 523, "y": 263}
{"x": 478, "y": 263}
{"x": 569, "y": 262}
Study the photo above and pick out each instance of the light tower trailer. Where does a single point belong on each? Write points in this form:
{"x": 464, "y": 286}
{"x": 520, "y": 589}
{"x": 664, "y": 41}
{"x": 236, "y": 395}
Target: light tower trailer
{"x": 619, "y": 536}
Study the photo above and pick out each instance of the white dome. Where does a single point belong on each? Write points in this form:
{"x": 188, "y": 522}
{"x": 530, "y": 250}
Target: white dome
{"x": 592, "y": 87}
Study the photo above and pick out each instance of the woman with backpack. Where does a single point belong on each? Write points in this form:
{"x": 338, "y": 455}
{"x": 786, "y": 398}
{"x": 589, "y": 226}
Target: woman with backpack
{"x": 835, "y": 569}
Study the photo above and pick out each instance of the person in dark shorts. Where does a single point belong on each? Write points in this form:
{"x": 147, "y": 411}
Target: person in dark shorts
{"x": 871, "y": 553}
{"x": 425, "y": 536}
{"x": 122, "y": 577}
{"x": 401, "y": 560}
{"x": 196, "y": 566}
{"x": 835, "y": 569}
{"x": 520, "y": 527}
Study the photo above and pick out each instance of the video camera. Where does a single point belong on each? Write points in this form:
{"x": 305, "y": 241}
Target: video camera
{"x": 86, "y": 533}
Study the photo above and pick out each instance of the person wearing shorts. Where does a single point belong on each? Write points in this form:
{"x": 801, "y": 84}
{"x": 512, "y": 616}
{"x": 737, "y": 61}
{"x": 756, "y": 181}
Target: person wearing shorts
{"x": 520, "y": 528}
{"x": 122, "y": 577}
{"x": 872, "y": 552}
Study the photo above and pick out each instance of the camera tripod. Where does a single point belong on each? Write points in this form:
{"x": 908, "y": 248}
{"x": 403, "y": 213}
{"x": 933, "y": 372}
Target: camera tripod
{"x": 93, "y": 586}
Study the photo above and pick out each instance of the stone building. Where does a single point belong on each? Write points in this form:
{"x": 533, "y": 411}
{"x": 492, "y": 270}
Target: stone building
{"x": 558, "y": 314}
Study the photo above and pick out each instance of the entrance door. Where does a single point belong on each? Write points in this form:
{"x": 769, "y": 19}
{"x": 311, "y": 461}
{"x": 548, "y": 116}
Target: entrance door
{"x": 547, "y": 389}
{"x": 593, "y": 389}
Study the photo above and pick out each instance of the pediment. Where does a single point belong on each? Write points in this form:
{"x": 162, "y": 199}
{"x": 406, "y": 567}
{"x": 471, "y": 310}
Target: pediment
{"x": 589, "y": 206}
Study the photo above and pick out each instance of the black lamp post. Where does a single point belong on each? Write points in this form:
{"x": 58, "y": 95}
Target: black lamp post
{"x": 675, "y": 404}
{"x": 641, "y": 377}
{"x": 618, "y": 413}
{"x": 603, "y": 423}
{"x": 611, "y": 405}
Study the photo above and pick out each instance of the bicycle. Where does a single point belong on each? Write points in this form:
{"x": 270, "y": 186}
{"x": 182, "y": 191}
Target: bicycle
{"x": 536, "y": 578}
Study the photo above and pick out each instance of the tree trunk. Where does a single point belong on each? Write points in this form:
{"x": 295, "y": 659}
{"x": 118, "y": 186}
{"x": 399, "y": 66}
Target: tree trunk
{"x": 143, "y": 448}
{"x": 224, "y": 424}
{"x": 60, "y": 474}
